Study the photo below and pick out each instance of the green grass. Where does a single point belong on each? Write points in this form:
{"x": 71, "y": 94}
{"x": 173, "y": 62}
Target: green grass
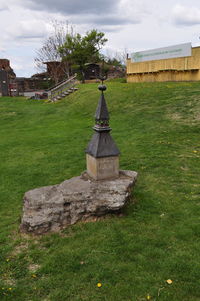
{"x": 156, "y": 126}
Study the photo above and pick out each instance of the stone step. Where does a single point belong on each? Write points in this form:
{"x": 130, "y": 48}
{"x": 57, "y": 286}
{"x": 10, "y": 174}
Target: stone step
{"x": 64, "y": 94}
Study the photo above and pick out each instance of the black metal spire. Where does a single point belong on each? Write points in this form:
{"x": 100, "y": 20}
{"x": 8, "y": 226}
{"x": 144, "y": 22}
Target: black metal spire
{"x": 102, "y": 115}
{"x": 102, "y": 110}
{"x": 102, "y": 144}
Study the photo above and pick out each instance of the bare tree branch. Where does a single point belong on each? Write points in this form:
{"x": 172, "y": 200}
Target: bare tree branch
{"x": 49, "y": 51}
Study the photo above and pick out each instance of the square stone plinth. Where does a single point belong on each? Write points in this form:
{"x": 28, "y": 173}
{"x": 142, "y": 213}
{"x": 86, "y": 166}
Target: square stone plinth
{"x": 103, "y": 168}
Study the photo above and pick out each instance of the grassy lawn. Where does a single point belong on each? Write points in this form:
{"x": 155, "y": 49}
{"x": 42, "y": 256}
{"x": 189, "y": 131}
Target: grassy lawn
{"x": 157, "y": 237}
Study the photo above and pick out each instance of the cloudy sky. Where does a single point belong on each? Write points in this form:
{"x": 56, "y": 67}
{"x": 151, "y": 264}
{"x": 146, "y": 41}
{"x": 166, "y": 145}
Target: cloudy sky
{"x": 131, "y": 25}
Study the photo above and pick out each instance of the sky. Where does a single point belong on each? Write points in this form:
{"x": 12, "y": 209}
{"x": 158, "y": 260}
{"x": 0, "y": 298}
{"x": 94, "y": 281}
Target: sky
{"x": 129, "y": 25}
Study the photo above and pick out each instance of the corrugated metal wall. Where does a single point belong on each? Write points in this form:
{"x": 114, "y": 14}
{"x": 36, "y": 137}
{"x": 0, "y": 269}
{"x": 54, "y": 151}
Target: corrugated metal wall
{"x": 176, "y": 69}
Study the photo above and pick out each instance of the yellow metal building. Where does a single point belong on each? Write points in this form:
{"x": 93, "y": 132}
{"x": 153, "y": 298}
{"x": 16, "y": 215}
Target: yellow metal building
{"x": 175, "y": 69}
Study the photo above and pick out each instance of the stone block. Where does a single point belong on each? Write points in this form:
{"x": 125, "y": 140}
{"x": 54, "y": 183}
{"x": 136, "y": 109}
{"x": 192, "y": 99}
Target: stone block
{"x": 102, "y": 168}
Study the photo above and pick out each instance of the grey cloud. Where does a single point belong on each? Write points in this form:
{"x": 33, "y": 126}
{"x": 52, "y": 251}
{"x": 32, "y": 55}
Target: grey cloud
{"x": 27, "y": 30}
{"x": 95, "y": 12}
{"x": 74, "y": 6}
{"x": 113, "y": 20}
{"x": 186, "y": 22}
{"x": 3, "y": 7}
{"x": 110, "y": 29}
{"x": 29, "y": 36}
{"x": 106, "y": 20}
{"x": 185, "y": 16}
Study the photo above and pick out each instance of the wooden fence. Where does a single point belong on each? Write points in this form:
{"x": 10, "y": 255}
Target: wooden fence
{"x": 176, "y": 69}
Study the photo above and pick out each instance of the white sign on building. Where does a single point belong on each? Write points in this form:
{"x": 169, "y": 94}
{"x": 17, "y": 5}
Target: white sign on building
{"x": 180, "y": 50}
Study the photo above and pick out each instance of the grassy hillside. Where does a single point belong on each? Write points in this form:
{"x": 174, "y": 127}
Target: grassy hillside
{"x": 156, "y": 238}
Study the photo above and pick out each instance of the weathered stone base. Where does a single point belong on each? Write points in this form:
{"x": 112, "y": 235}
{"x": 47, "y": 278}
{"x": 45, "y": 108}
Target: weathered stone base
{"x": 52, "y": 208}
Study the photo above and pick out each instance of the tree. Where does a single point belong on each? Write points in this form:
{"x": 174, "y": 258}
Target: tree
{"x": 50, "y": 50}
{"x": 79, "y": 50}
{"x": 116, "y": 58}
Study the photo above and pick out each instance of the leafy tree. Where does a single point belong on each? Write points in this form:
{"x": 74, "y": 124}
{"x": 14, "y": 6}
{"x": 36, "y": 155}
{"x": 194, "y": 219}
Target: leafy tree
{"x": 79, "y": 50}
{"x": 116, "y": 58}
{"x": 114, "y": 62}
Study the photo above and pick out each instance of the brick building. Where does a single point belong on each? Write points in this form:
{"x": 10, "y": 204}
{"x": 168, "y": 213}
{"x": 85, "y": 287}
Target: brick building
{"x": 7, "y": 76}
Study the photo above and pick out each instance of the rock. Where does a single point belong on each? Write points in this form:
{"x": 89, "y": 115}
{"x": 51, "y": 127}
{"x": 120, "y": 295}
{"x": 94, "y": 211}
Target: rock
{"x": 52, "y": 208}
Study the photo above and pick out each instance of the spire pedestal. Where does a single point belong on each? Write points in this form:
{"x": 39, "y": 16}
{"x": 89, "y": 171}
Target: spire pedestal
{"x": 102, "y": 154}
{"x": 103, "y": 168}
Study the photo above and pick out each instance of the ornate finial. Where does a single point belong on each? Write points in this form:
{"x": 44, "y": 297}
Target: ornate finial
{"x": 102, "y": 115}
{"x": 102, "y": 88}
{"x": 102, "y": 78}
